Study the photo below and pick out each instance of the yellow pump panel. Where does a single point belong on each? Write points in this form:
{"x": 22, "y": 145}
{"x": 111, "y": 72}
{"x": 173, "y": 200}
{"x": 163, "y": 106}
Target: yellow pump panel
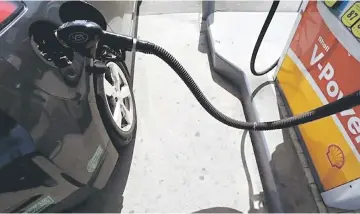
{"x": 320, "y": 66}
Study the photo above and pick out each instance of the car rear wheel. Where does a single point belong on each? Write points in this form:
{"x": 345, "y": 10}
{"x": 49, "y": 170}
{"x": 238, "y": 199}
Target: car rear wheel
{"x": 116, "y": 104}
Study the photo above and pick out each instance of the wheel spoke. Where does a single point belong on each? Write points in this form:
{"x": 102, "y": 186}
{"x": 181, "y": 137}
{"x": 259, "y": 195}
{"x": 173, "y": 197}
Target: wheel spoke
{"x": 123, "y": 114}
{"x": 127, "y": 114}
{"x": 117, "y": 114}
{"x": 124, "y": 92}
{"x": 109, "y": 89}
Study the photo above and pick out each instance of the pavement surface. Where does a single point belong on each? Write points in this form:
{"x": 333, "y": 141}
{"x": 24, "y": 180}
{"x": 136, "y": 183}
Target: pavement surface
{"x": 189, "y": 160}
{"x": 183, "y": 159}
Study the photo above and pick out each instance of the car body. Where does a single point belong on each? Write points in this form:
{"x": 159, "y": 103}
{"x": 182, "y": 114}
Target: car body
{"x": 54, "y": 148}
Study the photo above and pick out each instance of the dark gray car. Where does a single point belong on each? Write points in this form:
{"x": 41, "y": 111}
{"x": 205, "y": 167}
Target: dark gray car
{"x": 60, "y": 125}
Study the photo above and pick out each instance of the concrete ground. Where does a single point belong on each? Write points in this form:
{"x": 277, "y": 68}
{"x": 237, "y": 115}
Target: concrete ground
{"x": 183, "y": 159}
{"x": 189, "y": 160}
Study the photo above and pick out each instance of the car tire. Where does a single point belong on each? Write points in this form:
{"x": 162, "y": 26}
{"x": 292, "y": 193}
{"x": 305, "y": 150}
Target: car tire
{"x": 119, "y": 136}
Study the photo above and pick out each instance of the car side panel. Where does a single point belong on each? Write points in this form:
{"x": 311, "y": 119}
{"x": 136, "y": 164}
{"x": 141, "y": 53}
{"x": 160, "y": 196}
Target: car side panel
{"x": 62, "y": 120}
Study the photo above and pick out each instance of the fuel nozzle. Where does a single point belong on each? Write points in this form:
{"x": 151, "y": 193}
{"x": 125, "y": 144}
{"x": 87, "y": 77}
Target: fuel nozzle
{"x": 81, "y": 35}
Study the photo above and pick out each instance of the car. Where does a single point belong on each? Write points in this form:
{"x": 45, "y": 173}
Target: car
{"x": 61, "y": 125}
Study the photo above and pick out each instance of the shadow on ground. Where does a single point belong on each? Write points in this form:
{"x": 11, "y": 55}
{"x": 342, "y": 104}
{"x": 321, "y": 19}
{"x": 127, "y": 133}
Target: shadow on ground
{"x": 291, "y": 181}
{"x": 290, "y": 176}
{"x": 218, "y": 210}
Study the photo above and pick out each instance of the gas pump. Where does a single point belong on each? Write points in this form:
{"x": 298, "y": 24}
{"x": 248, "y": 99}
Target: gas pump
{"x": 321, "y": 64}
{"x": 324, "y": 100}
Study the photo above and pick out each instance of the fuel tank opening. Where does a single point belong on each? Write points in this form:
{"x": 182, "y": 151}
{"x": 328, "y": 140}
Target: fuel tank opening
{"x": 47, "y": 47}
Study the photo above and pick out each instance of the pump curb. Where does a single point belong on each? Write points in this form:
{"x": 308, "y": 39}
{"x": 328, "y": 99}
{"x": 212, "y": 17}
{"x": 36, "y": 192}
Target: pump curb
{"x": 230, "y": 72}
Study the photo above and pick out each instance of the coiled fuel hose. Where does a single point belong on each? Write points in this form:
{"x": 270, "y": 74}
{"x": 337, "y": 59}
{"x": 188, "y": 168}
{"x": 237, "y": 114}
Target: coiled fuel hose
{"x": 342, "y": 104}
{"x": 260, "y": 38}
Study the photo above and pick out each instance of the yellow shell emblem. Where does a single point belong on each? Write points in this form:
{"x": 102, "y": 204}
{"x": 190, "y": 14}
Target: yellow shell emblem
{"x": 335, "y": 156}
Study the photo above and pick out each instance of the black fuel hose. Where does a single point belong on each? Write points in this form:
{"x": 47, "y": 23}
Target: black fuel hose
{"x": 96, "y": 33}
{"x": 260, "y": 38}
{"x": 342, "y": 104}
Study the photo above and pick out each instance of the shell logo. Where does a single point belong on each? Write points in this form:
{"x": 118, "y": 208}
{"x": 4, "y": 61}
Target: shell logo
{"x": 335, "y": 156}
